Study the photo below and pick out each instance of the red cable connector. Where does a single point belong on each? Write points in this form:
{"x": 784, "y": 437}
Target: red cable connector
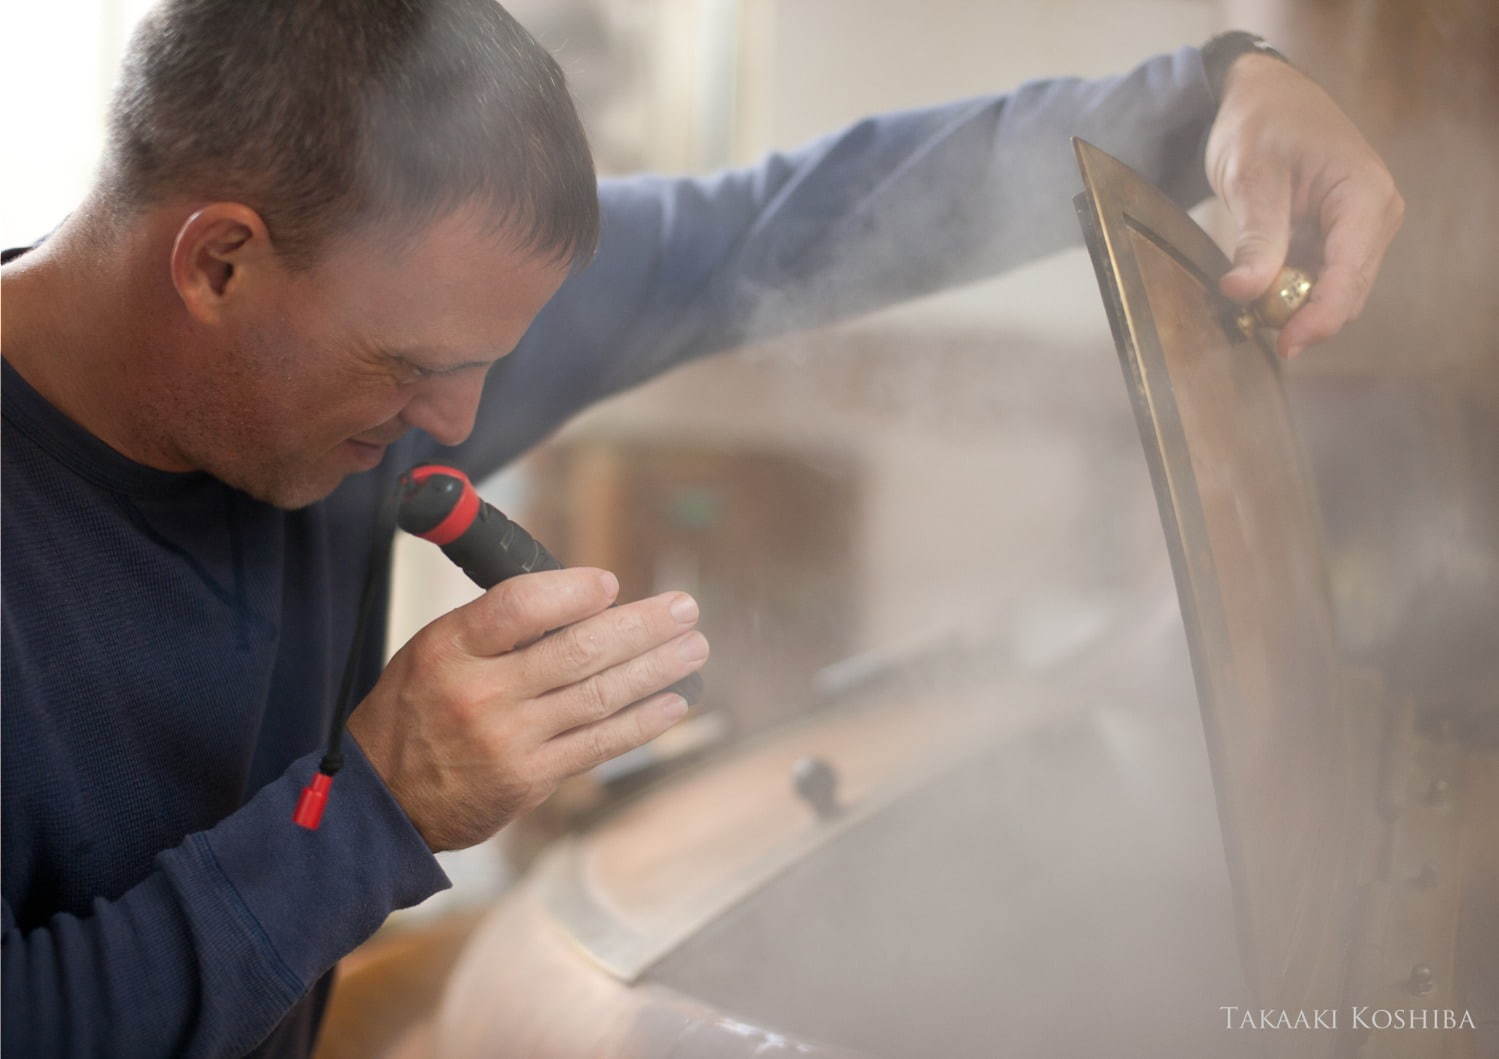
{"x": 313, "y": 801}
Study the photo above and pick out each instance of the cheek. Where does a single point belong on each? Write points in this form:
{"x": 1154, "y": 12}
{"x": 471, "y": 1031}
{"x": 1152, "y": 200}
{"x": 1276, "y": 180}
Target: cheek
{"x": 274, "y": 357}
{"x": 307, "y": 390}
{"x": 341, "y": 404}
{"x": 268, "y": 395}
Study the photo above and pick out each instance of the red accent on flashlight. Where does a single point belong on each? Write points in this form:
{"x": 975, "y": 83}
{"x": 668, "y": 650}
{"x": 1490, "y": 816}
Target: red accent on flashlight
{"x": 457, "y": 521}
{"x": 313, "y": 801}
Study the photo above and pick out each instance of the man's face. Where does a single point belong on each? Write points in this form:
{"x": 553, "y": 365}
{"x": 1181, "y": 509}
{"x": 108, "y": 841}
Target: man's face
{"x": 317, "y": 371}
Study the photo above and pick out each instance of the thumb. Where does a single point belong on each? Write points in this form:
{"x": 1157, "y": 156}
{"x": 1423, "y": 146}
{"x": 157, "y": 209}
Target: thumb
{"x": 1261, "y": 206}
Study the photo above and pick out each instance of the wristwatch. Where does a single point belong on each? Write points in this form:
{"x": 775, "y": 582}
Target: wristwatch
{"x": 1219, "y": 54}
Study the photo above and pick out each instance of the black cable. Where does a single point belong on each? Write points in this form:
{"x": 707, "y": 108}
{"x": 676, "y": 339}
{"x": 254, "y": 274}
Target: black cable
{"x": 309, "y": 810}
{"x": 385, "y": 530}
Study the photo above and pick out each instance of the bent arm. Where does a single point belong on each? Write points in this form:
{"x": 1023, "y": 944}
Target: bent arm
{"x": 233, "y": 927}
{"x": 890, "y": 208}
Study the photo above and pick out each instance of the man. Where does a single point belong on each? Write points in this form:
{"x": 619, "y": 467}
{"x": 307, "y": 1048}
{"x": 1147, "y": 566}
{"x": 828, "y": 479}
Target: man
{"x": 317, "y": 229}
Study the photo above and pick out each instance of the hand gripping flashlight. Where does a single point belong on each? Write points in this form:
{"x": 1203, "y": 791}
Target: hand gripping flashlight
{"x": 440, "y": 504}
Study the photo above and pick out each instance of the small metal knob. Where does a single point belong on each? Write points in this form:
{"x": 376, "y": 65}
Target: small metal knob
{"x": 816, "y": 783}
{"x": 1422, "y": 980}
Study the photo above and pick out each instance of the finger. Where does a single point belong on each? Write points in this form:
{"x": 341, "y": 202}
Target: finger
{"x": 603, "y": 640}
{"x": 520, "y": 609}
{"x": 608, "y": 692}
{"x": 580, "y": 749}
{"x": 1260, "y": 202}
{"x": 1360, "y": 223}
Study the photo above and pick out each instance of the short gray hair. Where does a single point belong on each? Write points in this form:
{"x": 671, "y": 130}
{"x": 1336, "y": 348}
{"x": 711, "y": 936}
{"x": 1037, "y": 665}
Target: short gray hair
{"x": 323, "y": 115}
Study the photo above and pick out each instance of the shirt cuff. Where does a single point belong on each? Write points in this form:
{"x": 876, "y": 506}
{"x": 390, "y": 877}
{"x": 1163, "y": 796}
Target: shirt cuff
{"x": 314, "y": 896}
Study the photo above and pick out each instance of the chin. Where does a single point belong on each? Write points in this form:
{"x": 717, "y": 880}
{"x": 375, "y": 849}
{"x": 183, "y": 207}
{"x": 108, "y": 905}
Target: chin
{"x": 291, "y": 490}
{"x": 293, "y": 496}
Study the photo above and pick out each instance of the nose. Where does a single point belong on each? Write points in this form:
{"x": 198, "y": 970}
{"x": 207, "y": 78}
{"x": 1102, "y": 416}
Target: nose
{"x": 445, "y": 406}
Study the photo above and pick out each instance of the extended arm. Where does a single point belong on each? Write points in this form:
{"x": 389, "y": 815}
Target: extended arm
{"x": 887, "y": 209}
{"x": 904, "y": 204}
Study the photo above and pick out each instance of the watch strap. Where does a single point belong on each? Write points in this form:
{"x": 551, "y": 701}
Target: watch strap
{"x": 1219, "y": 54}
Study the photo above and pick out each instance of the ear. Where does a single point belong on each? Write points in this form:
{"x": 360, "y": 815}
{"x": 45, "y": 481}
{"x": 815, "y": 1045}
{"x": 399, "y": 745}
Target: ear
{"x": 213, "y": 249}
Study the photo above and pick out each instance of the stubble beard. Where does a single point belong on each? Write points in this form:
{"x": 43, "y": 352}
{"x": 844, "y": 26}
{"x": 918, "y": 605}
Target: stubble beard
{"x": 240, "y": 460}
{"x": 288, "y": 485}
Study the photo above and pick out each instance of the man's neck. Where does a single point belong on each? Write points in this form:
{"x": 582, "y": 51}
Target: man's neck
{"x": 76, "y": 313}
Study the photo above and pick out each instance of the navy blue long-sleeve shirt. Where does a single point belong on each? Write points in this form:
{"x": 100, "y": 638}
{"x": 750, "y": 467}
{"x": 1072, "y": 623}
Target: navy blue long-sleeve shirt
{"x": 172, "y": 646}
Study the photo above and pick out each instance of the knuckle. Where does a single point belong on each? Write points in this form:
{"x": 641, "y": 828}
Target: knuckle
{"x": 1236, "y": 173}
{"x": 1245, "y": 181}
{"x": 652, "y": 672}
{"x": 1352, "y": 288}
{"x": 499, "y": 753}
{"x": 531, "y": 784}
{"x": 535, "y": 772}
{"x": 641, "y": 728}
{"x": 631, "y": 626}
{"x": 511, "y": 601}
{"x": 430, "y": 648}
{"x": 578, "y": 650}
{"x": 1236, "y": 185}
{"x": 458, "y": 703}
{"x": 535, "y": 793}
{"x": 421, "y": 645}
{"x": 596, "y": 748}
{"x": 595, "y": 699}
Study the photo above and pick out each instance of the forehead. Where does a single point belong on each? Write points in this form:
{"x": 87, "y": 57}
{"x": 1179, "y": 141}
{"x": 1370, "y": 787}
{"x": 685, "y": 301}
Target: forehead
{"x": 458, "y": 283}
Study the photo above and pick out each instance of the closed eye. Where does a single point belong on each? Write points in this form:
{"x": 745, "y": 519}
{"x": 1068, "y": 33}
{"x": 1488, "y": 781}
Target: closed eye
{"x": 415, "y": 371}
